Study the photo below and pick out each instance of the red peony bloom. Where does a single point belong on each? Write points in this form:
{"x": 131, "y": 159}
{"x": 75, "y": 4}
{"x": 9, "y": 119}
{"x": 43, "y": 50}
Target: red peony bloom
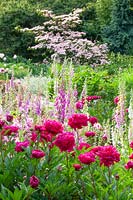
{"x": 8, "y": 130}
{"x": 116, "y": 100}
{"x": 65, "y": 141}
{"x": 96, "y": 149}
{"x": 34, "y": 137}
{"x": 108, "y": 155}
{"x": 131, "y": 156}
{"x": 90, "y": 98}
{"x": 87, "y": 158}
{"x": 21, "y": 145}
{"x": 34, "y": 181}
{"x": 127, "y": 110}
{"x": 37, "y": 153}
{"x": 46, "y": 136}
{"x": 104, "y": 137}
{"x": 39, "y": 128}
{"x": 79, "y": 105}
{"x": 83, "y": 145}
{"x": 78, "y": 120}
{"x": 2, "y": 123}
{"x": 129, "y": 165}
{"x": 131, "y": 145}
{"x": 77, "y": 167}
{"x": 92, "y": 120}
{"x": 53, "y": 127}
{"x": 9, "y": 118}
{"x": 90, "y": 134}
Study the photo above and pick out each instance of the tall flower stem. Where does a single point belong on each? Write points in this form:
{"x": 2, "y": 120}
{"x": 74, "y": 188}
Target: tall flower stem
{"x": 93, "y": 183}
{"x": 77, "y": 137}
{"x": 67, "y": 165}
{"x": 109, "y": 173}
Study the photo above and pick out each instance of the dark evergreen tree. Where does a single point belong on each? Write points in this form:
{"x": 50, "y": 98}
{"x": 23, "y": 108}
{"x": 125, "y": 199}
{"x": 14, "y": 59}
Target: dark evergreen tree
{"x": 119, "y": 34}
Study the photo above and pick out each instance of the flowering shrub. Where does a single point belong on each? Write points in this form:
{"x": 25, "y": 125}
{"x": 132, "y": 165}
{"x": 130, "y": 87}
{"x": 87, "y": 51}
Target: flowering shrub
{"x": 58, "y": 38}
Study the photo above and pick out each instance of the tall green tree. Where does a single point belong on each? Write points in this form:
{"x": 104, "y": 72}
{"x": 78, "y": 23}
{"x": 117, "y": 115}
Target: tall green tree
{"x": 119, "y": 34}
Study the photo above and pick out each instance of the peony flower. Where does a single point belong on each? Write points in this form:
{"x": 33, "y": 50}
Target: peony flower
{"x": 8, "y": 130}
{"x": 77, "y": 167}
{"x": 129, "y": 165}
{"x": 9, "y": 118}
{"x": 92, "y": 120}
{"x": 77, "y": 121}
{"x": 131, "y": 156}
{"x": 65, "y": 141}
{"x": 83, "y": 145}
{"x": 116, "y": 100}
{"x": 90, "y": 134}
{"x": 21, "y": 145}
{"x": 104, "y": 137}
{"x": 34, "y": 181}
{"x": 34, "y": 137}
{"x": 108, "y": 155}
{"x": 79, "y": 105}
{"x": 46, "y": 136}
{"x": 87, "y": 158}
{"x": 54, "y": 127}
{"x": 131, "y": 145}
{"x": 90, "y": 98}
{"x": 2, "y": 123}
{"x": 37, "y": 153}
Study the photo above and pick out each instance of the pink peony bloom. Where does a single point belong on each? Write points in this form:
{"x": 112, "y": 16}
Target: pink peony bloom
{"x": 79, "y": 105}
{"x": 20, "y": 146}
{"x": 87, "y": 158}
{"x": 65, "y": 141}
{"x": 83, "y": 145}
{"x": 39, "y": 128}
{"x": 77, "y": 167}
{"x": 8, "y": 130}
{"x": 34, "y": 181}
{"x": 34, "y": 137}
{"x": 46, "y": 136}
{"x": 9, "y": 118}
{"x": 77, "y": 121}
{"x": 108, "y": 155}
{"x": 116, "y": 100}
{"x": 129, "y": 165}
{"x": 90, "y": 98}
{"x": 37, "y": 153}
{"x": 131, "y": 156}
{"x": 2, "y": 123}
{"x": 92, "y": 120}
{"x": 90, "y": 134}
{"x": 54, "y": 127}
{"x": 131, "y": 145}
{"x": 104, "y": 137}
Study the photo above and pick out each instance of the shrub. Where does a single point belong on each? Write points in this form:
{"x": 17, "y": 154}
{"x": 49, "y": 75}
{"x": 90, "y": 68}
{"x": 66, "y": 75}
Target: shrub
{"x": 58, "y": 38}
{"x": 119, "y": 33}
